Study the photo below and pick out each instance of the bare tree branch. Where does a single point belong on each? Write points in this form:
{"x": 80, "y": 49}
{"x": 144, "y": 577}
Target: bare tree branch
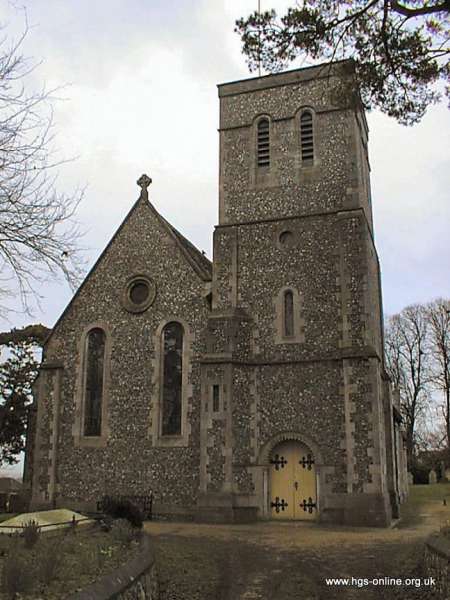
{"x": 408, "y": 365}
{"x": 438, "y": 314}
{"x": 39, "y": 237}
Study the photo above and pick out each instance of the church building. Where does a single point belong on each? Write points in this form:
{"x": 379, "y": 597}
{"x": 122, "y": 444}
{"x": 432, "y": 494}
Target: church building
{"x": 252, "y": 387}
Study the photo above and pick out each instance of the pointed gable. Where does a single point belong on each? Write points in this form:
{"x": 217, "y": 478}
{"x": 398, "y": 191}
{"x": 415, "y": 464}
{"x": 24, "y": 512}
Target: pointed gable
{"x": 138, "y": 245}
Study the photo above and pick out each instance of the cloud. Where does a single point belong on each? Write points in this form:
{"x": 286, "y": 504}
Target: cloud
{"x": 410, "y": 182}
{"x": 143, "y": 98}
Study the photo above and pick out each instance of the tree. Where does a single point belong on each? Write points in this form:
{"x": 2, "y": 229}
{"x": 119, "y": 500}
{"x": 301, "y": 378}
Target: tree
{"x": 17, "y": 375}
{"x": 38, "y": 236}
{"x": 438, "y": 315}
{"x": 400, "y": 49}
{"x": 408, "y": 365}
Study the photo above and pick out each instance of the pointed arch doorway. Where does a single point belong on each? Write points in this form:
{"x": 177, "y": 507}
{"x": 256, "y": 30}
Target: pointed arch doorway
{"x": 293, "y": 488}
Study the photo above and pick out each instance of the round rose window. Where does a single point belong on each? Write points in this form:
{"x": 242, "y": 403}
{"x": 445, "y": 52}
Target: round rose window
{"x": 139, "y": 294}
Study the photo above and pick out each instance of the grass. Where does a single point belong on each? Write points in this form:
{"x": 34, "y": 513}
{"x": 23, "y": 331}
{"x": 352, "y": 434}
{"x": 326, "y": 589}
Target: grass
{"x": 65, "y": 561}
{"x": 426, "y": 500}
{"x": 423, "y": 494}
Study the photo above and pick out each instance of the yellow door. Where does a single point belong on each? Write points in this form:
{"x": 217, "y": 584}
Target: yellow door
{"x": 281, "y": 477}
{"x": 305, "y": 485}
{"x": 292, "y": 482}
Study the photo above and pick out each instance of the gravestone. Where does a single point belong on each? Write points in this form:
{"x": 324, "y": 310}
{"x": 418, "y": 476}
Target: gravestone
{"x": 446, "y": 474}
{"x": 410, "y": 478}
{"x": 432, "y": 478}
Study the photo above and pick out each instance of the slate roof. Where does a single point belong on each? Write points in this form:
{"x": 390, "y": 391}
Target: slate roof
{"x": 197, "y": 259}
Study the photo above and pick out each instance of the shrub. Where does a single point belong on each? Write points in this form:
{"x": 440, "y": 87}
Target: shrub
{"x": 31, "y": 532}
{"x": 124, "y": 509}
{"x": 122, "y": 531}
{"x": 48, "y": 561}
{"x": 16, "y": 576}
{"x": 104, "y": 552}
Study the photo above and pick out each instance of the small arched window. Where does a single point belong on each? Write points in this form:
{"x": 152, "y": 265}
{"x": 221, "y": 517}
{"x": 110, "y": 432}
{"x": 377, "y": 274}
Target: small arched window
{"x": 94, "y": 381}
{"x": 263, "y": 143}
{"x": 307, "y": 137}
{"x": 172, "y": 373}
{"x": 288, "y": 314}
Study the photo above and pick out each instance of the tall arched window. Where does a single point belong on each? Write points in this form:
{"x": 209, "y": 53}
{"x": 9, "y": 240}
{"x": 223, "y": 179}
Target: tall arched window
{"x": 263, "y": 143}
{"x": 307, "y": 137}
{"x": 94, "y": 381}
{"x": 288, "y": 313}
{"x": 172, "y": 372}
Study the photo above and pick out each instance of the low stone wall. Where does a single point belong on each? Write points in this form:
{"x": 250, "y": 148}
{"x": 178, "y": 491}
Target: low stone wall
{"x": 136, "y": 580}
{"x": 436, "y": 564}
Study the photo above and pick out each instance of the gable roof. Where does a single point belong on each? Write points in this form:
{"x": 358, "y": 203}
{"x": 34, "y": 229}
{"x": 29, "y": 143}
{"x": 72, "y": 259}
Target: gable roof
{"x": 196, "y": 259}
{"x": 199, "y": 261}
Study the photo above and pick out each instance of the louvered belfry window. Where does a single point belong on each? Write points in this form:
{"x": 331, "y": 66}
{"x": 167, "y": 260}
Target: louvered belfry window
{"x": 307, "y": 137}
{"x": 263, "y": 149}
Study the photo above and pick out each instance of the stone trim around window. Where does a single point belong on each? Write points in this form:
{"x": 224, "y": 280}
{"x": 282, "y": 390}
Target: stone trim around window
{"x": 79, "y": 399}
{"x": 308, "y": 166}
{"x": 171, "y": 441}
{"x": 298, "y": 336}
{"x": 127, "y": 299}
{"x": 262, "y": 176}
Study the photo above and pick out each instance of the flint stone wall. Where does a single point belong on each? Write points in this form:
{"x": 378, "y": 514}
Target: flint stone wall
{"x": 289, "y": 188}
{"x": 324, "y": 386}
{"x": 84, "y": 474}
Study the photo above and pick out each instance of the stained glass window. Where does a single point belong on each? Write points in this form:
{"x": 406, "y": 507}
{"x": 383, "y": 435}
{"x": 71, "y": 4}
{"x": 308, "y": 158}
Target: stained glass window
{"x": 93, "y": 397}
{"x": 172, "y": 378}
{"x": 288, "y": 313}
{"x": 216, "y": 398}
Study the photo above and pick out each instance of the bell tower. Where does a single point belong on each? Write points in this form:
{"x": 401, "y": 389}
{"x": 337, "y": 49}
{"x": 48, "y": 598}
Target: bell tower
{"x": 292, "y": 144}
{"x": 294, "y": 340}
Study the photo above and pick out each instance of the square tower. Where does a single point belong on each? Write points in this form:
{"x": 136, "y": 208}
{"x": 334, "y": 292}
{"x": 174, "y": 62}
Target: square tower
{"x": 292, "y": 144}
{"x": 294, "y": 340}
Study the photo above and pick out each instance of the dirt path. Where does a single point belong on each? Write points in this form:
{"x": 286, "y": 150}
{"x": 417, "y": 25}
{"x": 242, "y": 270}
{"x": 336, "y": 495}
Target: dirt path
{"x": 292, "y": 561}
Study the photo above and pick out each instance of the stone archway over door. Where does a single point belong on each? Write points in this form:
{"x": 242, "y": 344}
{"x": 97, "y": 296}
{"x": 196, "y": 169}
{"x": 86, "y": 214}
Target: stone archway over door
{"x": 293, "y": 493}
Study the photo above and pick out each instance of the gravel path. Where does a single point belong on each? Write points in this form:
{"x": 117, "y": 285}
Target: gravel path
{"x": 292, "y": 561}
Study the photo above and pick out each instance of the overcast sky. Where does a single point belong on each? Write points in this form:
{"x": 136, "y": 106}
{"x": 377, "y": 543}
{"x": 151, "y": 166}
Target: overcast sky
{"x": 141, "y": 96}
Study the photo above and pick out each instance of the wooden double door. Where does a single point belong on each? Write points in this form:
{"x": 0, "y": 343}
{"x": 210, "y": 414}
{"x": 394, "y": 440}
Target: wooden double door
{"x": 293, "y": 493}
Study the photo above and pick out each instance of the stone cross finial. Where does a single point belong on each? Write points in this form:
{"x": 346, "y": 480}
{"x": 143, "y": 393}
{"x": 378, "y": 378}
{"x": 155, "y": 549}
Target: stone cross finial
{"x": 143, "y": 182}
